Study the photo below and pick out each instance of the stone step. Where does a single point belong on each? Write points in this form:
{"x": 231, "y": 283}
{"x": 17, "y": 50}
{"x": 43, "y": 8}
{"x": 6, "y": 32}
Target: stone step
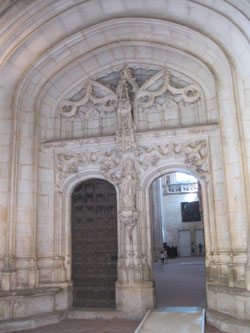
{"x": 169, "y": 320}
{"x": 98, "y": 313}
{"x": 32, "y": 322}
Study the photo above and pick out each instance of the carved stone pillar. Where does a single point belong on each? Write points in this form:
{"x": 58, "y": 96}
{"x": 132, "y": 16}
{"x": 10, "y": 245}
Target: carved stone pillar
{"x": 156, "y": 216}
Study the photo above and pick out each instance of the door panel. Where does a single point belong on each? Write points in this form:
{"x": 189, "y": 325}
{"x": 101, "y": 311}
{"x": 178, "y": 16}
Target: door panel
{"x": 94, "y": 244}
{"x": 184, "y": 243}
{"x": 199, "y": 238}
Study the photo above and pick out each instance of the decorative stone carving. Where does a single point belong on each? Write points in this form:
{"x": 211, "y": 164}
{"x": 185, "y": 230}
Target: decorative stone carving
{"x": 159, "y": 84}
{"x": 195, "y": 152}
{"x": 161, "y": 103}
{"x": 126, "y": 163}
{"x": 128, "y": 185}
{"x": 71, "y": 163}
{"x": 110, "y": 165}
{"x": 125, "y": 128}
{"x": 124, "y": 97}
{"x": 196, "y": 156}
{"x": 129, "y": 219}
{"x": 116, "y": 168}
{"x": 98, "y": 100}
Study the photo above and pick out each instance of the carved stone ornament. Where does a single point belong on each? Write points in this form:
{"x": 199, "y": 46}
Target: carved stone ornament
{"x": 124, "y": 162}
{"x": 129, "y": 219}
{"x": 128, "y": 161}
{"x": 112, "y": 164}
{"x": 159, "y": 84}
{"x": 128, "y": 185}
{"x": 97, "y": 99}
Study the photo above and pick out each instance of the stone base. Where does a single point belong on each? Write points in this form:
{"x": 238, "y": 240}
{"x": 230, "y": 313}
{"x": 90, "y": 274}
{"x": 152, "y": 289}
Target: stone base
{"x": 227, "y": 323}
{"x": 32, "y": 322}
{"x": 55, "y": 317}
{"x": 98, "y": 313}
{"x": 228, "y": 300}
{"x": 29, "y": 302}
{"x": 135, "y": 301}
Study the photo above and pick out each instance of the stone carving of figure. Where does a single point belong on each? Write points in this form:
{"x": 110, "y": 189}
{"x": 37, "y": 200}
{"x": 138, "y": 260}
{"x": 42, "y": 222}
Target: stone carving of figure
{"x": 125, "y": 125}
{"x": 128, "y": 185}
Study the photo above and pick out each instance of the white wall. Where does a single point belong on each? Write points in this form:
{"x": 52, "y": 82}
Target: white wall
{"x": 172, "y": 218}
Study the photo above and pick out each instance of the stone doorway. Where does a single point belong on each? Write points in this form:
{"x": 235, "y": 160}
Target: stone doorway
{"x": 177, "y": 215}
{"x": 178, "y": 231}
{"x": 94, "y": 244}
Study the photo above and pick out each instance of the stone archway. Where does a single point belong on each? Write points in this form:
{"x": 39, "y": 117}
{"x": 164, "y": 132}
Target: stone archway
{"x": 177, "y": 234}
{"x": 94, "y": 243}
{"x": 125, "y": 159}
{"x": 176, "y": 212}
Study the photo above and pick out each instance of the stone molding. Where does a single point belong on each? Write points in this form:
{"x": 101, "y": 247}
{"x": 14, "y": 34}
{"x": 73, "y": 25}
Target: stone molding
{"x": 193, "y": 131}
{"x": 194, "y": 153}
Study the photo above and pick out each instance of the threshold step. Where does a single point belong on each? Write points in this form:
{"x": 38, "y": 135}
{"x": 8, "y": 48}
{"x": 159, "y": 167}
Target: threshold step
{"x": 173, "y": 320}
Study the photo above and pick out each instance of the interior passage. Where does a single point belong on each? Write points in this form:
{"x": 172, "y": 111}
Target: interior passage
{"x": 180, "y": 282}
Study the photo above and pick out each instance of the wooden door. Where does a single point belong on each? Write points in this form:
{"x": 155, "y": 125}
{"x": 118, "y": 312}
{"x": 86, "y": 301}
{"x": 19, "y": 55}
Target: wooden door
{"x": 94, "y": 244}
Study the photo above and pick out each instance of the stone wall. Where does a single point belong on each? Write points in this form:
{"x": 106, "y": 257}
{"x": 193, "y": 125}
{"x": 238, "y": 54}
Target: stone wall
{"x": 172, "y": 218}
{"x": 167, "y": 218}
{"x": 50, "y": 51}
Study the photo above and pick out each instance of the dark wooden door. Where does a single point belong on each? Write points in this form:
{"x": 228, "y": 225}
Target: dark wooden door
{"x": 94, "y": 244}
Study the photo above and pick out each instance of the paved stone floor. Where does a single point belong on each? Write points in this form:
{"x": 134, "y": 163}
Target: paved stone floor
{"x": 180, "y": 282}
{"x": 88, "y": 326}
{"x": 95, "y": 326}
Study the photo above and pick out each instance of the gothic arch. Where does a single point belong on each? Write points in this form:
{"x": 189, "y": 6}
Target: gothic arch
{"x": 63, "y": 219}
{"x": 48, "y": 47}
{"x": 174, "y": 166}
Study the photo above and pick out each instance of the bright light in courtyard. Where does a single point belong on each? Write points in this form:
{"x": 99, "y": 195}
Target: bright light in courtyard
{"x": 185, "y": 178}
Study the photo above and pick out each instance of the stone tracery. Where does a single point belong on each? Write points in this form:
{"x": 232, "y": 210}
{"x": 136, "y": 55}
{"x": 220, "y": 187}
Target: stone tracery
{"x": 159, "y": 100}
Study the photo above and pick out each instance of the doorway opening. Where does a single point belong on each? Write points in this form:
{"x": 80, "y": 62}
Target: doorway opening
{"x": 94, "y": 244}
{"x": 178, "y": 236}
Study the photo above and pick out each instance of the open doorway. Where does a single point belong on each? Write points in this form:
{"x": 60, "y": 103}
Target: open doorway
{"x": 178, "y": 231}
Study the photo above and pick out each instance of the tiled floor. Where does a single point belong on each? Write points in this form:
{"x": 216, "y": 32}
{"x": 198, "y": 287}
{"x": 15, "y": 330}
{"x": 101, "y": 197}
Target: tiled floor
{"x": 181, "y": 282}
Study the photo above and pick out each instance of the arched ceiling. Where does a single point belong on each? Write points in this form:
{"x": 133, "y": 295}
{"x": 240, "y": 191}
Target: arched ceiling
{"x": 47, "y": 47}
{"x": 43, "y": 41}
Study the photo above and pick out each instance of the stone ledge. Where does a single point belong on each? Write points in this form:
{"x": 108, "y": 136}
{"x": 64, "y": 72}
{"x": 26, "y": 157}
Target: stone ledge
{"x": 228, "y": 290}
{"x": 98, "y": 313}
{"x": 56, "y": 316}
{"x": 31, "y": 292}
{"x": 32, "y": 321}
{"x": 24, "y": 303}
{"x": 227, "y": 323}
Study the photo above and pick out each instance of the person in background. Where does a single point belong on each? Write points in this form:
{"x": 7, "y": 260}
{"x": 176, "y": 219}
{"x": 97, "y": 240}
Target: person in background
{"x": 166, "y": 255}
{"x": 192, "y": 249}
{"x": 200, "y": 249}
{"x": 162, "y": 257}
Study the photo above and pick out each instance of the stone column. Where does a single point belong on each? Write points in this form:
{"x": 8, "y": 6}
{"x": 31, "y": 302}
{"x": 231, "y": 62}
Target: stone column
{"x": 156, "y": 216}
{"x": 134, "y": 289}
